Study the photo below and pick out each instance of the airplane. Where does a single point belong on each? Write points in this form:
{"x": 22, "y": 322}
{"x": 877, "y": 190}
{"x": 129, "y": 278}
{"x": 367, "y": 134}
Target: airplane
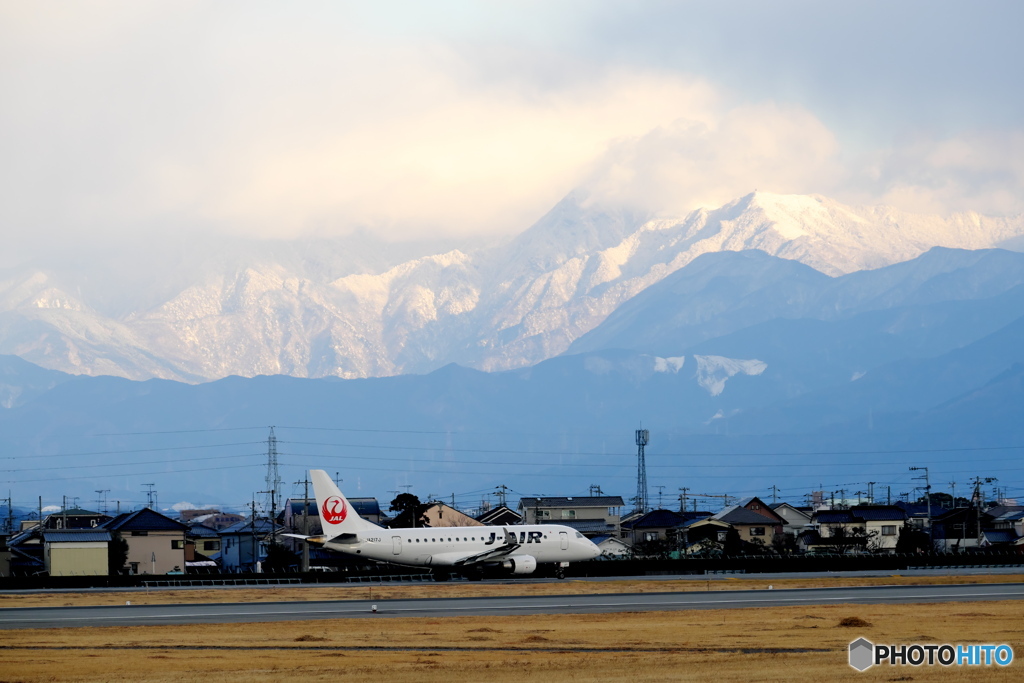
{"x": 470, "y": 551}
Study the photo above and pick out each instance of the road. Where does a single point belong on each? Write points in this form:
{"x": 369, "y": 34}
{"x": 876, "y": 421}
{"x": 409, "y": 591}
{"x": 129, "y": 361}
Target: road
{"x": 135, "y": 615}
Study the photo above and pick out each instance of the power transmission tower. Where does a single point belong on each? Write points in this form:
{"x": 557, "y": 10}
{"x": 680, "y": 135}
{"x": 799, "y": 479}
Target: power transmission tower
{"x": 273, "y": 481}
{"x": 642, "y": 437}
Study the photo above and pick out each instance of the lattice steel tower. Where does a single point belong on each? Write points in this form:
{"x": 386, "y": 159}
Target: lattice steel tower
{"x": 273, "y": 476}
{"x": 642, "y": 437}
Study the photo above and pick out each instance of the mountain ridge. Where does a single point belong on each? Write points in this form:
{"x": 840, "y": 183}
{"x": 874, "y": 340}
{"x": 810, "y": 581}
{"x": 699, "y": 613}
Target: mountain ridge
{"x": 492, "y": 308}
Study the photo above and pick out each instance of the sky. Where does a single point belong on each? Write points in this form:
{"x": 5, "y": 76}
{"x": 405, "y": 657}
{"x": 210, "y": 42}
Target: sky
{"x": 127, "y": 121}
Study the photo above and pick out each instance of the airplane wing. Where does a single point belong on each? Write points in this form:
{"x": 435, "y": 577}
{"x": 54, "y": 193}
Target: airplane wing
{"x": 492, "y": 554}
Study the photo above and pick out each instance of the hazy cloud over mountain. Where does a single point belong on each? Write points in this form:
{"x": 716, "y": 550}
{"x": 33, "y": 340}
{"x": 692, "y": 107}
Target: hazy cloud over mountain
{"x": 412, "y": 120}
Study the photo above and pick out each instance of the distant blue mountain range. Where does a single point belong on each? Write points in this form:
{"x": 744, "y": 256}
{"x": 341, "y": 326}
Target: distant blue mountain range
{"x": 749, "y": 370}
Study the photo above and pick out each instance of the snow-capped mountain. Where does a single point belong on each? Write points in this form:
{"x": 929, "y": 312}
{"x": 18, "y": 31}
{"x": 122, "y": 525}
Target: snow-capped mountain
{"x": 496, "y": 308}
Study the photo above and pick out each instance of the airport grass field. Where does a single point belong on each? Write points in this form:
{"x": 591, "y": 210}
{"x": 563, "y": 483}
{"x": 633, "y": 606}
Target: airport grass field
{"x": 764, "y": 644}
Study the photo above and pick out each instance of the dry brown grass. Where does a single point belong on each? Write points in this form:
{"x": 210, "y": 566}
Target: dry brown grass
{"x": 762, "y": 644}
{"x": 314, "y": 592}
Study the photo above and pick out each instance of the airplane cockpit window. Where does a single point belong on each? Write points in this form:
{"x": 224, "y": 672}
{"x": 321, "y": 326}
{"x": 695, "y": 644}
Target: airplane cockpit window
{"x": 579, "y": 535}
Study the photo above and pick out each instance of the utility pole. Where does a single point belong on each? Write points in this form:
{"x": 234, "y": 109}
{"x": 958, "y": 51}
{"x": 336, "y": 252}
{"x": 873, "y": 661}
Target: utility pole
{"x": 253, "y": 552}
{"x": 871, "y": 492}
{"x": 775, "y": 493}
{"x": 273, "y": 513}
{"x": 502, "y": 491}
{"x": 888, "y": 495}
{"x": 660, "y": 489}
{"x": 952, "y": 489}
{"x": 305, "y": 524}
{"x": 976, "y": 499}
{"x": 859, "y": 494}
{"x": 9, "y": 527}
{"x": 150, "y": 495}
{"x": 928, "y": 503}
{"x": 595, "y": 490}
{"x": 682, "y": 498}
{"x": 101, "y": 500}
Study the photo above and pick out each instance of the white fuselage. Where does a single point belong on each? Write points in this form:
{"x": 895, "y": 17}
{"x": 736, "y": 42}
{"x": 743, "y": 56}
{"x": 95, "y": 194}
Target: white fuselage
{"x": 446, "y": 546}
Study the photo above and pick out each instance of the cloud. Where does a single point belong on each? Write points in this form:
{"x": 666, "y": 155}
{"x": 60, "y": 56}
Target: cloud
{"x": 128, "y": 120}
{"x": 980, "y": 171}
{"x": 688, "y": 164}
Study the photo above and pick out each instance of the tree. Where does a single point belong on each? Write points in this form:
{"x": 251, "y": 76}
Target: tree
{"x": 279, "y": 558}
{"x": 913, "y": 540}
{"x": 733, "y": 543}
{"x": 844, "y": 539}
{"x": 117, "y": 554}
{"x": 410, "y": 511}
{"x": 784, "y": 544}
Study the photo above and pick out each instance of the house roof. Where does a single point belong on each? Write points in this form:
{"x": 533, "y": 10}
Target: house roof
{"x": 246, "y": 526}
{"x": 702, "y": 520}
{"x": 77, "y": 512}
{"x": 655, "y": 519}
{"x": 143, "y": 520}
{"x": 1000, "y": 535}
{"x": 584, "y": 526}
{"x": 879, "y": 513}
{"x": 202, "y": 531}
{"x": 833, "y": 517}
{"x": 76, "y": 535}
{"x": 571, "y": 502}
{"x": 500, "y": 515}
{"x": 741, "y": 515}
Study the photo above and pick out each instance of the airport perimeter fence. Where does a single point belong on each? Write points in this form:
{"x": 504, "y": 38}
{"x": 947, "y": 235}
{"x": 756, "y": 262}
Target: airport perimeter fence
{"x": 744, "y": 564}
{"x": 770, "y": 564}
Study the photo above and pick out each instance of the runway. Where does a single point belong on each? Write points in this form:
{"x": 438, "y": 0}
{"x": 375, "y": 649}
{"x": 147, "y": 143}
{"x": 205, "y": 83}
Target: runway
{"x": 220, "y": 613}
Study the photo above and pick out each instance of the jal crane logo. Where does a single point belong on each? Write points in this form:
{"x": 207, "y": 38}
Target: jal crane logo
{"x": 334, "y": 510}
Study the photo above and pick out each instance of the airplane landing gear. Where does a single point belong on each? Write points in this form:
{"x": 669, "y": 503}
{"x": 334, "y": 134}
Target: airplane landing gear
{"x": 559, "y": 573}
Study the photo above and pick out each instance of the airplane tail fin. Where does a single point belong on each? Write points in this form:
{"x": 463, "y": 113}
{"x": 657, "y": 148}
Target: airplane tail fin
{"x": 337, "y": 516}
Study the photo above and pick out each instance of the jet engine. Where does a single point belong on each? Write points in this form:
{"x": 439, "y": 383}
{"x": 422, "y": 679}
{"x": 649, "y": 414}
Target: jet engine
{"x": 520, "y": 564}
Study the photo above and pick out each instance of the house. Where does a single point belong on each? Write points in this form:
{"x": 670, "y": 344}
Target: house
{"x": 76, "y": 552}
{"x": 611, "y": 547}
{"x": 156, "y": 543}
{"x": 215, "y": 520}
{"x": 956, "y": 529}
{"x": 75, "y": 518}
{"x": 202, "y": 547}
{"x": 882, "y": 525}
{"x": 500, "y": 516}
{"x": 292, "y": 515}
{"x": 755, "y": 521}
{"x": 26, "y": 549}
{"x": 862, "y": 527}
{"x": 656, "y": 525}
{"x": 244, "y": 545}
{"x": 702, "y": 536}
{"x": 440, "y": 515}
{"x": 794, "y": 519}
{"x": 590, "y": 515}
